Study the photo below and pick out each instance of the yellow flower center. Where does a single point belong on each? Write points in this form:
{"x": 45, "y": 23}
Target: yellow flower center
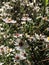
{"x": 48, "y": 38}
{"x": 9, "y": 19}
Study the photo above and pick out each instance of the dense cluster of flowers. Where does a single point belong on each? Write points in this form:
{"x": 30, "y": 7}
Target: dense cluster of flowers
{"x": 24, "y": 33}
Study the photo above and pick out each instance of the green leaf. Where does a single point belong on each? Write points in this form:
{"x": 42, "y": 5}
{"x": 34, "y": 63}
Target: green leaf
{"x": 46, "y": 2}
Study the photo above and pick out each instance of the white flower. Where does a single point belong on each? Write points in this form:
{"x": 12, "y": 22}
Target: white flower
{"x": 2, "y": 46}
{"x": 36, "y": 48}
{"x": 22, "y": 4}
{"x": 15, "y": 36}
{"x": 0, "y": 24}
{"x": 18, "y": 35}
{"x": 1, "y": 10}
{"x": 47, "y": 29}
{"x": 46, "y": 45}
{"x": 18, "y": 40}
{"x": 45, "y": 18}
{"x": 29, "y": 19}
{"x": 47, "y": 10}
{"x": 0, "y": 52}
{"x": 1, "y": 14}
{"x": 6, "y": 2}
{"x": 9, "y": 20}
{"x": 18, "y": 48}
{"x": 9, "y": 50}
{"x": 46, "y": 39}
{"x": 22, "y": 57}
{"x": 34, "y": 39}
{"x": 1, "y": 63}
{"x": 13, "y": 0}
{"x": 17, "y": 57}
{"x": 23, "y": 22}
{"x": 9, "y": 7}
{"x": 28, "y": 36}
{"x": 37, "y": 36}
{"x": 5, "y": 49}
{"x": 26, "y": 19}
{"x": 3, "y": 2}
{"x": 42, "y": 35}
{"x": 2, "y": 33}
{"x": 3, "y": 7}
{"x": 36, "y": 8}
{"x": 34, "y": 1}
{"x": 16, "y": 44}
{"x": 21, "y": 49}
{"x": 1, "y": 28}
{"x": 30, "y": 4}
{"x": 4, "y": 14}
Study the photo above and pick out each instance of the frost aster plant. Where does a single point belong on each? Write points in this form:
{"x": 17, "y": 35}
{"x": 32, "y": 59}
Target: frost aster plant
{"x": 24, "y": 32}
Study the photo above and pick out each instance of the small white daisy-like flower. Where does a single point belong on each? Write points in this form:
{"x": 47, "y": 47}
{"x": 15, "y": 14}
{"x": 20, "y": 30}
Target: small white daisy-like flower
{"x": 18, "y": 40}
{"x": 18, "y": 35}
{"x": 2, "y": 33}
{"x": 42, "y": 36}
{"x": 0, "y": 52}
{"x": 36, "y": 48}
{"x": 23, "y": 23}
{"x": 46, "y": 39}
{"x": 1, "y": 63}
{"x": 21, "y": 49}
{"x": 1, "y": 28}
{"x": 45, "y": 18}
{"x": 9, "y": 50}
{"x": 5, "y": 50}
{"x": 0, "y": 24}
{"x": 9, "y": 7}
{"x": 47, "y": 10}
{"x": 26, "y": 19}
{"x": 30, "y": 4}
{"x": 6, "y": 2}
{"x": 13, "y": 0}
{"x": 16, "y": 44}
{"x": 1, "y": 14}
{"x": 22, "y": 4}
{"x": 18, "y": 48}
{"x": 3, "y": 2}
{"x": 9, "y": 20}
{"x": 37, "y": 36}
{"x": 22, "y": 57}
{"x": 1, "y": 49}
{"x": 2, "y": 46}
{"x": 47, "y": 29}
{"x": 5, "y": 14}
{"x": 19, "y": 56}
{"x": 1, "y": 10}
{"x": 4, "y": 36}
{"x": 34, "y": 1}
{"x": 29, "y": 19}
{"x": 28, "y": 36}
